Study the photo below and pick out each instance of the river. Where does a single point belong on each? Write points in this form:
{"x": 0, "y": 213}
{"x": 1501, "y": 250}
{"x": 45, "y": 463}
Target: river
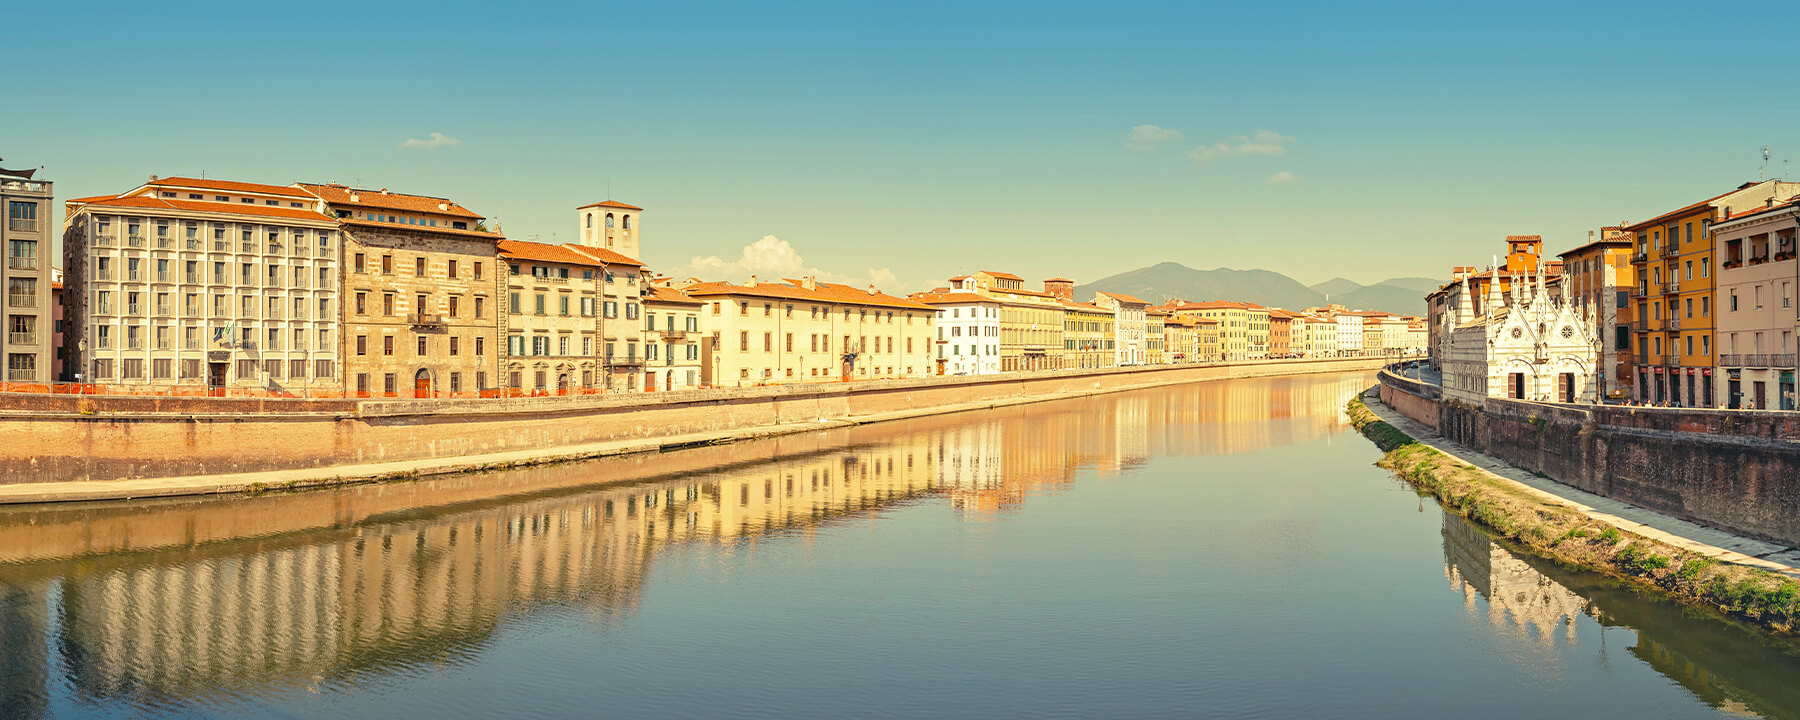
{"x": 1220, "y": 549}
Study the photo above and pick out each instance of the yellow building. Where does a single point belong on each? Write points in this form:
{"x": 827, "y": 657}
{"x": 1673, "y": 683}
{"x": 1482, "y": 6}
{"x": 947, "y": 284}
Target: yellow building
{"x": 1181, "y": 339}
{"x": 1031, "y": 322}
{"x": 550, "y": 319}
{"x": 1087, "y": 336}
{"x": 796, "y": 331}
{"x": 1155, "y": 352}
{"x": 1674, "y": 332}
{"x": 1235, "y": 339}
{"x": 1208, "y": 331}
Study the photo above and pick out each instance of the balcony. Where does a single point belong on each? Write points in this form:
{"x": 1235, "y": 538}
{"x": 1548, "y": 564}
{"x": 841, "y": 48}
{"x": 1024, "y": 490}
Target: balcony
{"x": 20, "y": 300}
{"x": 21, "y": 374}
{"x": 134, "y": 241}
{"x": 1674, "y": 325}
{"x": 1647, "y": 289}
{"x": 1640, "y": 257}
{"x": 22, "y": 224}
{"x": 673, "y": 335}
{"x": 21, "y": 338}
{"x": 164, "y": 243}
{"x": 22, "y": 263}
{"x": 103, "y": 239}
{"x": 1640, "y": 326}
{"x": 1670, "y": 250}
{"x": 425, "y": 320}
{"x": 1757, "y": 360}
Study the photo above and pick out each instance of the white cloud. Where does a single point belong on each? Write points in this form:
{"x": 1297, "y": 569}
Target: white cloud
{"x": 1147, "y": 137}
{"x": 771, "y": 259}
{"x": 1263, "y": 143}
{"x": 1281, "y": 177}
{"x": 431, "y": 142}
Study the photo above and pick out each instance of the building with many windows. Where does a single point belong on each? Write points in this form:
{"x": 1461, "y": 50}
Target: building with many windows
{"x": 1756, "y": 308}
{"x": 1088, "y": 331}
{"x": 550, "y": 319}
{"x": 27, "y": 345}
{"x": 190, "y": 285}
{"x": 1031, "y": 322}
{"x": 421, "y": 290}
{"x": 1600, "y": 272}
{"x": 1131, "y": 327}
{"x": 795, "y": 331}
{"x": 671, "y": 339}
{"x": 609, "y": 232}
{"x": 968, "y": 328}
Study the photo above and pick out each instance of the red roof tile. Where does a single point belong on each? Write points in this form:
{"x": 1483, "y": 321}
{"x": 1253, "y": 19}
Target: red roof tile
{"x": 610, "y": 204}
{"x": 541, "y": 252}
{"x": 950, "y": 298}
{"x": 1121, "y": 297}
{"x": 825, "y": 292}
{"x": 1003, "y": 276}
{"x": 208, "y": 206}
{"x": 604, "y": 255}
{"x": 229, "y": 186}
{"x": 356, "y": 197}
{"x": 446, "y": 229}
{"x": 662, "y": 294}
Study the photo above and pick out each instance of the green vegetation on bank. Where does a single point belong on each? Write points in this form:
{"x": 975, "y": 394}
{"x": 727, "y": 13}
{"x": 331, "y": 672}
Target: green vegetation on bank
{"x": 1766, "y": 599}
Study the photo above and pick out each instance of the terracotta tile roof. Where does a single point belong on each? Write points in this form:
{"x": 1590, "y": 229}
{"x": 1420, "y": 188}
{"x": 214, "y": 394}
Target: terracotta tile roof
{"x": 337, "y": 194}
{"x": 604, "y": 255}
{"x": 95, "y": 198}
{"x": 1002, "y": 276}
{"x": 610, "y": 204}
{"x": 56, "y": 285}
{"x": 208, "y": 206}
{"x": 1783, "y": 205}
{"x": 959, "y": 277}
{"x": 791, "y": 289}
{"x": 229, "y": 186}
{"x": 541, "y": 252}
{"x": 1617, "y": 241}
{"x": 1086, "y": 306}
{"x": 1013, "y": 291}
{"x": 1680, "y": 211}
{"x": 1158, "y": 313}
{"x": 1059, "y": 279}
{"x": 662, "y": 294}
{"x": 1121, "y": 297}
{"x": 950, "y": 298}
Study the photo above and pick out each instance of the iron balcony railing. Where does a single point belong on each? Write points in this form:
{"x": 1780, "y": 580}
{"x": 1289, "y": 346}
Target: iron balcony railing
{"x": 425, "y": 319}
{"x": 1670, "y": 250}
{"x": 21, "y": 374}
{"x": 24, "y": 224}
{"x": 21, "y": 300}
{"x": 1640, "y": 326}
{"x": 1757, "y": 360}
{"x": 21, "y": 338}
{"x": 1674, "y": 324}
{"x": 1640, "y": 257}
{"x": 22, "y": 263}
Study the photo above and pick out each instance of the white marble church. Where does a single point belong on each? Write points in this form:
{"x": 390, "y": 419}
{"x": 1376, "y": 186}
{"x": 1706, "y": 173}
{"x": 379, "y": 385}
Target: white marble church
{"x": 1527, "y": 344}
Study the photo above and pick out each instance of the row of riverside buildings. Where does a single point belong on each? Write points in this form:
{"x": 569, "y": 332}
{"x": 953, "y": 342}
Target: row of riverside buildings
{"x": 202, "y": 286}
{"x": 1692, "y": 307}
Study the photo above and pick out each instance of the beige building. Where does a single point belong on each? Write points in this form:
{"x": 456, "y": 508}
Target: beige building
{"x": 551, "y": 319}
{"x": 1756, "y": 310}
{"x": 609, "y": 234}
{"x": 187, "y": 285}
{"x": 671, "y": 339}
{"x": 27, "y": 345}
{"x": 1131, "y": 328}
{"x": 796, "y": 331}
{"x": 422, "y": 293}
{"x": 1087, "y": 336}
{"x": 1031, "y": 322}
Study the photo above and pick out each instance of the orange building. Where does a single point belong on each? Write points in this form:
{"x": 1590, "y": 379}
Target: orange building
{"x": 1601, "y": 274}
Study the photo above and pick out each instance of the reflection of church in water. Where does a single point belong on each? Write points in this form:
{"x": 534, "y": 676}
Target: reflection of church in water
{"x": 196, "y": 598}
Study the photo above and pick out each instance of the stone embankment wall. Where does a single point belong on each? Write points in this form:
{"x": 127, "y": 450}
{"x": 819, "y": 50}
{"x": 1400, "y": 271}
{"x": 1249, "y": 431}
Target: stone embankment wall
{"x": 51, "y": 438}
{"x": 1731, "y": 469}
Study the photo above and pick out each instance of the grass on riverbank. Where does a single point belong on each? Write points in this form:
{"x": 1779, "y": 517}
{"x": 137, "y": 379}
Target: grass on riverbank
{"x": 1766, "y": 599}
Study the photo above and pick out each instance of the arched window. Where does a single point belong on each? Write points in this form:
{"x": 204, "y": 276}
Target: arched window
{"x": 609, "y": 219}
{"x": 627, "y": 222}
{"x": 590, "y": 219}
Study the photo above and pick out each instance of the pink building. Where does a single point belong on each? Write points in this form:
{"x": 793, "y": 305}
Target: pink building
{"x": 1756, "y": 312}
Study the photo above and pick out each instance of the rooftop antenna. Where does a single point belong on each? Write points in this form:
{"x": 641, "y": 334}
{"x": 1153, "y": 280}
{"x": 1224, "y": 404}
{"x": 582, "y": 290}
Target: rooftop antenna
{"x": 1765, "y": 166}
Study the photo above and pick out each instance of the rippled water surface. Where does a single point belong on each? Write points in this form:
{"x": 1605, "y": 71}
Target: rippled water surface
{"x": 1212, "y": 550}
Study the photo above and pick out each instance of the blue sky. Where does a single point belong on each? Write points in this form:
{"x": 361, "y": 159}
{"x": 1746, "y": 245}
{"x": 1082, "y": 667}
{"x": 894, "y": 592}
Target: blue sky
{"x": 908, "y": 142}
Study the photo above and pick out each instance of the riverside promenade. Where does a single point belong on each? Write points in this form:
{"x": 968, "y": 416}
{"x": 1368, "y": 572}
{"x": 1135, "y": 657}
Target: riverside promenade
{"x": 1700, "y": 539}
{"x": 400, "y": 440}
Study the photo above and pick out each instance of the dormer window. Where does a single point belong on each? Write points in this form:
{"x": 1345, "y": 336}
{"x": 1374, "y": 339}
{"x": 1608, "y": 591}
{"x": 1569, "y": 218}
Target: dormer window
{"x": 460, "y": 225}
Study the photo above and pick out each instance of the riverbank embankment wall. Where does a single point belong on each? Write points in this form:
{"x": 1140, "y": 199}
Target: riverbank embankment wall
{"x": 1731, "y": 469}
{"x": 67, "y": 438}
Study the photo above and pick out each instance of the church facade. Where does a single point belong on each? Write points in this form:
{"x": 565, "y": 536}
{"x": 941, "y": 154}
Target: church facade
{"x": 1527, "y": 344}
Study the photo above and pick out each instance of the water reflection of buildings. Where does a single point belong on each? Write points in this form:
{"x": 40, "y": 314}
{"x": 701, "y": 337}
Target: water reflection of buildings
{"x": 186, "y": 599}
{"x": 1540, "y": 604}
{"x": 994, "y": 465}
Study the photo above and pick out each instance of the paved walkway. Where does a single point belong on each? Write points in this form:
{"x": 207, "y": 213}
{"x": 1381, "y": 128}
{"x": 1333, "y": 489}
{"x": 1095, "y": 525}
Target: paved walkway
{"x": 1700, "y": 539}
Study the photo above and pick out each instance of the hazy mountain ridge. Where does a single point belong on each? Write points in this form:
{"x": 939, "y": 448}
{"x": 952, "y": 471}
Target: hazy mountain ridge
{"x": 1163, "y": 281}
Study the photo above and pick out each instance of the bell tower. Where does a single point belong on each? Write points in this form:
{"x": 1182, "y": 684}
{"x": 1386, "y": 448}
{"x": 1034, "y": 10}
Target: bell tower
{"x": 612, "y": 225}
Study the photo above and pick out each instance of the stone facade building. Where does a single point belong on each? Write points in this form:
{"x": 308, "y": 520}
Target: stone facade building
{"x": 1130, "y": 327}
{"x": 27, "y": 345}
{"x": 422, "y": 294}
{"x": 551, "y": 321}
{"x": 190, "y": 285}
{"x": 1528, "y": 345}
{"x": 1088, "y": 332}
{"x": 610, "y": 233}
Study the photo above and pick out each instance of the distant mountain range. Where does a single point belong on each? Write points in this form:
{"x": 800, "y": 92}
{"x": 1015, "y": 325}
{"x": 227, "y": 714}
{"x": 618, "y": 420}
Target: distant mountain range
{"x": 1163, "y": 281}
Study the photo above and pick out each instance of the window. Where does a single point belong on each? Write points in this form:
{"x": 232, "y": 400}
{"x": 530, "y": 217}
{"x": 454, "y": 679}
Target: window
{"x": 479, "y": 302}
{"x": 539, "y": 304}
{"x": 455, "y": 302}
{"x": 480, "y": 346}
{"x": 387, "y": 304}
{"x": 387, "y": 265}
{"x": 362, "y": 344}
{"x": 450, "y": 268}
{"x": 423, "y": 345}
{"x": 387, "y": 345}
{"x": 389, "y": 382}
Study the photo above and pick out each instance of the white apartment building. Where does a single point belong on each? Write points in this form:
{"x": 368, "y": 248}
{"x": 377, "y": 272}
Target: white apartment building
{"x": 671, "y": 339}
{"x": 968, "y": 328}
{"x": 30, "y": 317}
{"x": 203, "y": 284}
{"x": 551, "y": 319}
{"x": 1349, "y": 335}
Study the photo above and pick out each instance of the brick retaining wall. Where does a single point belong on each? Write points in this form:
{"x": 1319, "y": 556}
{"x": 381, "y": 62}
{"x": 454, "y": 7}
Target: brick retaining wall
{"x": 58, "y": 439}
{"x": 1731, "y": 469}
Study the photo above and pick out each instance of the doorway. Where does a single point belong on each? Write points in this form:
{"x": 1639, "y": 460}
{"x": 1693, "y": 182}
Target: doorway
{"x": 1517, "y": 389}
{"x": 215, "y": 378}
{"x": 422, "y": 384}
{"x": 1567, "y": 385}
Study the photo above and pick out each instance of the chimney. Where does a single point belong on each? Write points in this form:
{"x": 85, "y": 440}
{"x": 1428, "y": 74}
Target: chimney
{"x": 808, "y": 282}
{"x": 384, "y": 191}
{"x": 443, "y": 206}
{"x": 871, "y": 288}
{"x": 752, "y": 282}
{"x": 1590, "y": 236}
{"x": 152, "y": 178}
{"x": 355, "y": 197}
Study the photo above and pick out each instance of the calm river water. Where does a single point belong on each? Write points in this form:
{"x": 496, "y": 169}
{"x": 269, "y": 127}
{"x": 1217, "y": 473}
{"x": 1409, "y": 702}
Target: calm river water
{"x": 1212, "y": 550}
